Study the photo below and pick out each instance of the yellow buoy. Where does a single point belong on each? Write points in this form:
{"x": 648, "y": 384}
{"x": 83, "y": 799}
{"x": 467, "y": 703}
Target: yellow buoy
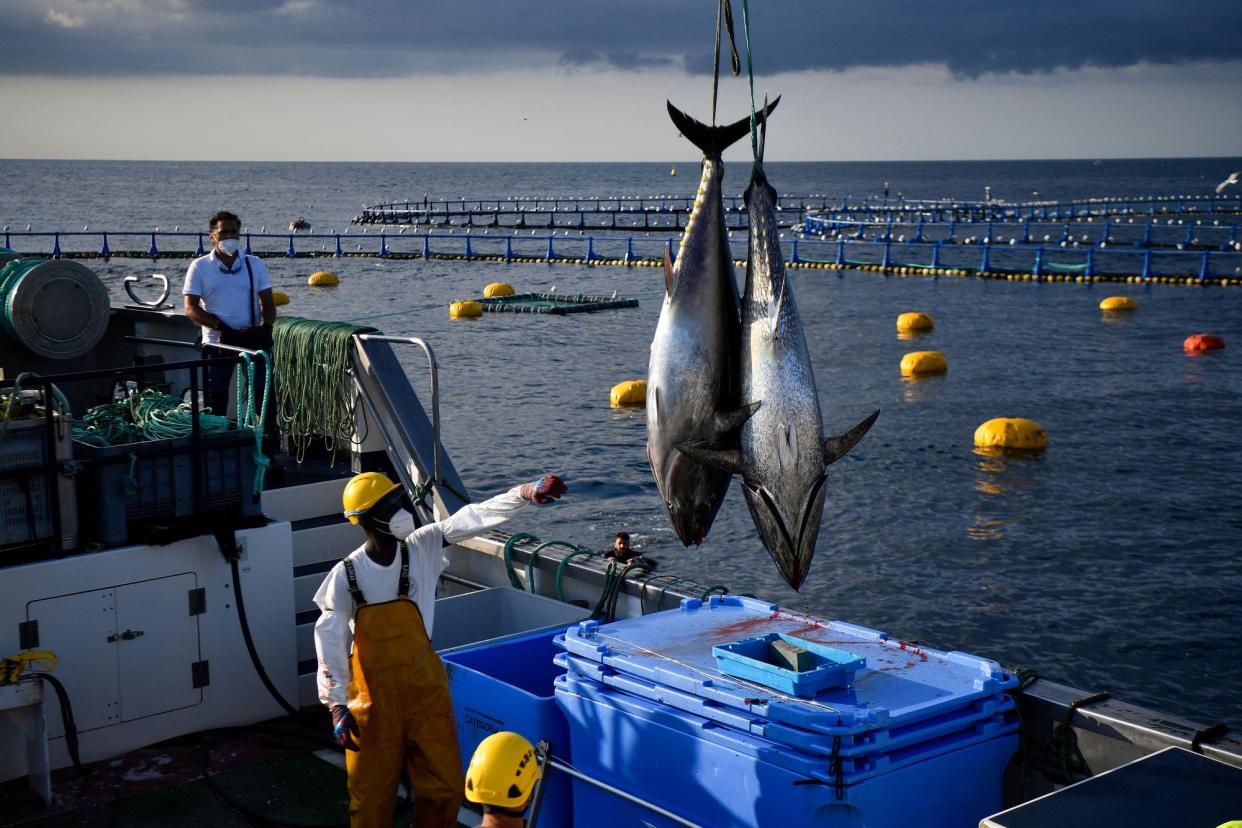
{"x": 280, "y": 297}
{"x": 923, "y": 362}
{"x": 497, "y": 289}
{"x": 915, "y": 321}
{"x": 323, "y": 279}
{"x": 1011, "y": 433}
{"x": 628, "y": 393}
{"x": 465, "y": 309}
{"x": 1118, "y": 303}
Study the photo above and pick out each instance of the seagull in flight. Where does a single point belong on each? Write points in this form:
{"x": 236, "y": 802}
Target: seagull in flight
{"x": 1233, "y": 179}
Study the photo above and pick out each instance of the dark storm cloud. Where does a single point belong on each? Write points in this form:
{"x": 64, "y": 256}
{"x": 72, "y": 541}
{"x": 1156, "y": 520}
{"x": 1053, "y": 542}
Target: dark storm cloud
{"x": 381, "y": 38}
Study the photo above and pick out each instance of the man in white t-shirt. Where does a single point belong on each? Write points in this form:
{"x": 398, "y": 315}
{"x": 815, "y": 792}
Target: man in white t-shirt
{"x": 229, "y": 293}
{"x": 378, "y": 674}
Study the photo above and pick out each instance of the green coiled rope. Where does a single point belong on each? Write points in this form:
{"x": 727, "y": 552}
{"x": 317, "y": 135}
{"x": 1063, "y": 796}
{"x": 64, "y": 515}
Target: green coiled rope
{"x": 311, "y": 358}
{"x": 147, "y": 415}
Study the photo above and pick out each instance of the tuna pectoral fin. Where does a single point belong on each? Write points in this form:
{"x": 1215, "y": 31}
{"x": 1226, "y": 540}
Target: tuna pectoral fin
{"x": 729, "y": 461}
{"x": 836, "y": 447}
{"x": 714, "y": 140}
{"x": 729, "y": 421}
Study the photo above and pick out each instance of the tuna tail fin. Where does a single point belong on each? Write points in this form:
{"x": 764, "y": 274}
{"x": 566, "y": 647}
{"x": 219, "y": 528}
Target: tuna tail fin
{"x": 713, "y": 141}
{"x": 836, "y": 447}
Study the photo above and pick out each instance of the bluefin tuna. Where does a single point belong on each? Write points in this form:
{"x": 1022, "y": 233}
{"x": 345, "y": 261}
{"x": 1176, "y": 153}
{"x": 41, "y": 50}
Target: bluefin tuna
{"x": 782, "y": 455}
{"x": 693, "y": 373}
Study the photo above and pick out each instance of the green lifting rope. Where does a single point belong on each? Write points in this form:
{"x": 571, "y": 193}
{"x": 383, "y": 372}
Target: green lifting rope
{"x": 311, "y": 358}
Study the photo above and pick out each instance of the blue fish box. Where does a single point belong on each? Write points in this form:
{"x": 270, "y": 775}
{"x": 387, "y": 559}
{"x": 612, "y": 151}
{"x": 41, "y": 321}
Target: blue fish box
{"x": 749, "y": 659}
{"x": 508, "y": 684}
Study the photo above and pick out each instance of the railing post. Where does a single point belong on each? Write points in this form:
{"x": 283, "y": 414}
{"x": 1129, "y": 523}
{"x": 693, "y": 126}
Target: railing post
{"x": 1146, "y": 274}
{"x": 248, "y": 250}
{"x": 551, "y": 252}
{"x": 56, "y": 244}
{"x": 840, "y": 253}
{"x": 104, "y": 252}
{"x": 154, "y": 251}
{"x": 590, "y": 247}
{"x": 888, "y": 248}
{"x": 1205, "y": 270}
{"x": 1038, "y": 267}
{"x": 508, "y": 248}
{"x": 918, "y": 236}
{"x": 290, "y": 252}
{"x": 427, "y": 246}
{"x": 338, "y": 253}
{"x": 793, "y": 253}
{"x": 384, "y": 245}
{"x": 984, "y": 264}
{"x": 200, "y": 251}
{"x": 469, "y": 249}
{"x": 935, "y": 261}
{"x": 629, "y": 249}
{"x": 1090, "y": 271}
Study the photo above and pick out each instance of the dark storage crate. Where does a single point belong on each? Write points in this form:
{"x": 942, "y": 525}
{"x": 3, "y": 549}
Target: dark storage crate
{"x": 25, "y": 495}
{"x": 154, "y": 481}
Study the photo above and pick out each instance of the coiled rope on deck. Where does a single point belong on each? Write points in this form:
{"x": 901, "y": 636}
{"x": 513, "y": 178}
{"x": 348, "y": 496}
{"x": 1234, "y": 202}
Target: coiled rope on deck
{"x": 147, "y": 415}
{"x": 311, "y": 358}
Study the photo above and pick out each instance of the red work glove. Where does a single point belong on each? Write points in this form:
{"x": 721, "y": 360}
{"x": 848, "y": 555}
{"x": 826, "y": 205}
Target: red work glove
{"x": 344, "y": 728}
{"x": 544, "y": 490}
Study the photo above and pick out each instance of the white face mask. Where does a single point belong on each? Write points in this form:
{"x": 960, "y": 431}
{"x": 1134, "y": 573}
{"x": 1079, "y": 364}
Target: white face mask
{"x": 401, "y": 524}
{"x": 229, "y": 246}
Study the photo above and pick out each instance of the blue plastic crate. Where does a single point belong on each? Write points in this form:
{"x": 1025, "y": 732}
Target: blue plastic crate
{"x": 901, "y": 682}
{"x": 748, "y": 659}
{"x": 983, "y": 719}
{"x": 720, "y": 777}
{"x": 508, "y": 685}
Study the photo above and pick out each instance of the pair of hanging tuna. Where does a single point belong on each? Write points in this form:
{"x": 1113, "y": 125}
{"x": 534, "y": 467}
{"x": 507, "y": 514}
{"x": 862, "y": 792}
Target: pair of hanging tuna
{"x": 730, "y": 387}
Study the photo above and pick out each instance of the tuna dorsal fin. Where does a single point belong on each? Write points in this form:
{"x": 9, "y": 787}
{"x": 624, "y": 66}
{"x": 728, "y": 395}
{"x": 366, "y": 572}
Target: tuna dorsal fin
{"x": 729, "y": 421}
{"x": 726, "y": 460}
{"x": 668, "y": 268}
{"x": 712, "y": 141}
{"x": 836, "y": 447}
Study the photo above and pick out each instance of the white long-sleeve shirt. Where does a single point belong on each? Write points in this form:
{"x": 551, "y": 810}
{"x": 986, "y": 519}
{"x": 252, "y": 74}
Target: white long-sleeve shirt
{"x": 335, "y": 628}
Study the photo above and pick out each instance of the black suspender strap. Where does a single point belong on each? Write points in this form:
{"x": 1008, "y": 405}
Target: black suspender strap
{"x": 246, "y": 259}
{"x": 354, "y": 592}
{"x": 403, "y": 583}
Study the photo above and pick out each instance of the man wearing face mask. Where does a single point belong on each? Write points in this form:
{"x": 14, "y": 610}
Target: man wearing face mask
{"x": 389, "y": 697}
{"x": 229, "y": 294}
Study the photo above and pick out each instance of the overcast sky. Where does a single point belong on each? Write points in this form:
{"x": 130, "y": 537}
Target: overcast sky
{"x": 582, "y": 80}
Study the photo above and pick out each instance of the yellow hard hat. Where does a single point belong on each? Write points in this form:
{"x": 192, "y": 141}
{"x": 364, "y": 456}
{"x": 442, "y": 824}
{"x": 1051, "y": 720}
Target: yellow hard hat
{"x": 503, "y": 771}
{"x": 363, "y": 492}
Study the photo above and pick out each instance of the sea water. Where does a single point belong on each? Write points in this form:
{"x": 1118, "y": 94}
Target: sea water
{"x": 1110, "y": 561}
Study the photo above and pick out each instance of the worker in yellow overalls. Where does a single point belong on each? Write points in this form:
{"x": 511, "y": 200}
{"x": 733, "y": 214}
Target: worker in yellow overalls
{"x": 389, "y": 698}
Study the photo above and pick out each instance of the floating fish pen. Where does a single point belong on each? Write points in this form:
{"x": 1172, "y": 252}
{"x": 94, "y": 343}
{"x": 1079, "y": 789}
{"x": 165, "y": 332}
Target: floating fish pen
{"x": 1179, "y": 234}
{"x": 595, "y": 213}
{"x": 1086, "y": 209}
{"x": 555, "y": 303}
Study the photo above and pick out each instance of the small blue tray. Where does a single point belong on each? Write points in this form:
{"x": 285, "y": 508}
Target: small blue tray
{"x": 748, "y": 659}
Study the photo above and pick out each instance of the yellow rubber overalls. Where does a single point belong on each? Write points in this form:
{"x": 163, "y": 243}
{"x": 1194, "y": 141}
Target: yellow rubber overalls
{"x": 398, "y": 693}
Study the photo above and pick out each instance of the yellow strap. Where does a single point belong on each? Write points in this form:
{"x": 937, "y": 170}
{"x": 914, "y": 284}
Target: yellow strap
{"x": 12, "y": 667}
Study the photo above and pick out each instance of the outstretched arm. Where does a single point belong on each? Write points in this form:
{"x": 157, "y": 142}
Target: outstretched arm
{"x": 477, "y": 518}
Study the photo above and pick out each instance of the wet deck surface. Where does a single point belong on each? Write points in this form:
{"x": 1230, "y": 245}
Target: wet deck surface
{"x": 261, "y": 776}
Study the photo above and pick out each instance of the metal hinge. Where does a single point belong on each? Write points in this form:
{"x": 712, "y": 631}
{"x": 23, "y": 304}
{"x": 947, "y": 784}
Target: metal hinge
{"x": 198, "y": 601}
{"x": 28, "y": 634}
{"x": 200, "y": 674}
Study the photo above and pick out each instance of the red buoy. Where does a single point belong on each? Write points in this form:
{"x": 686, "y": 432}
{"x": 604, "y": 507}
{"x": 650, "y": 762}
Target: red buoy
{"x": 1203, "y": 342}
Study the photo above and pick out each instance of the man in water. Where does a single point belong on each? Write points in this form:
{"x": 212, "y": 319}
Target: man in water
{"x": 229, "y": 293}
{"x": 621, "y": 551}
{"x": 388, "y": 693}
